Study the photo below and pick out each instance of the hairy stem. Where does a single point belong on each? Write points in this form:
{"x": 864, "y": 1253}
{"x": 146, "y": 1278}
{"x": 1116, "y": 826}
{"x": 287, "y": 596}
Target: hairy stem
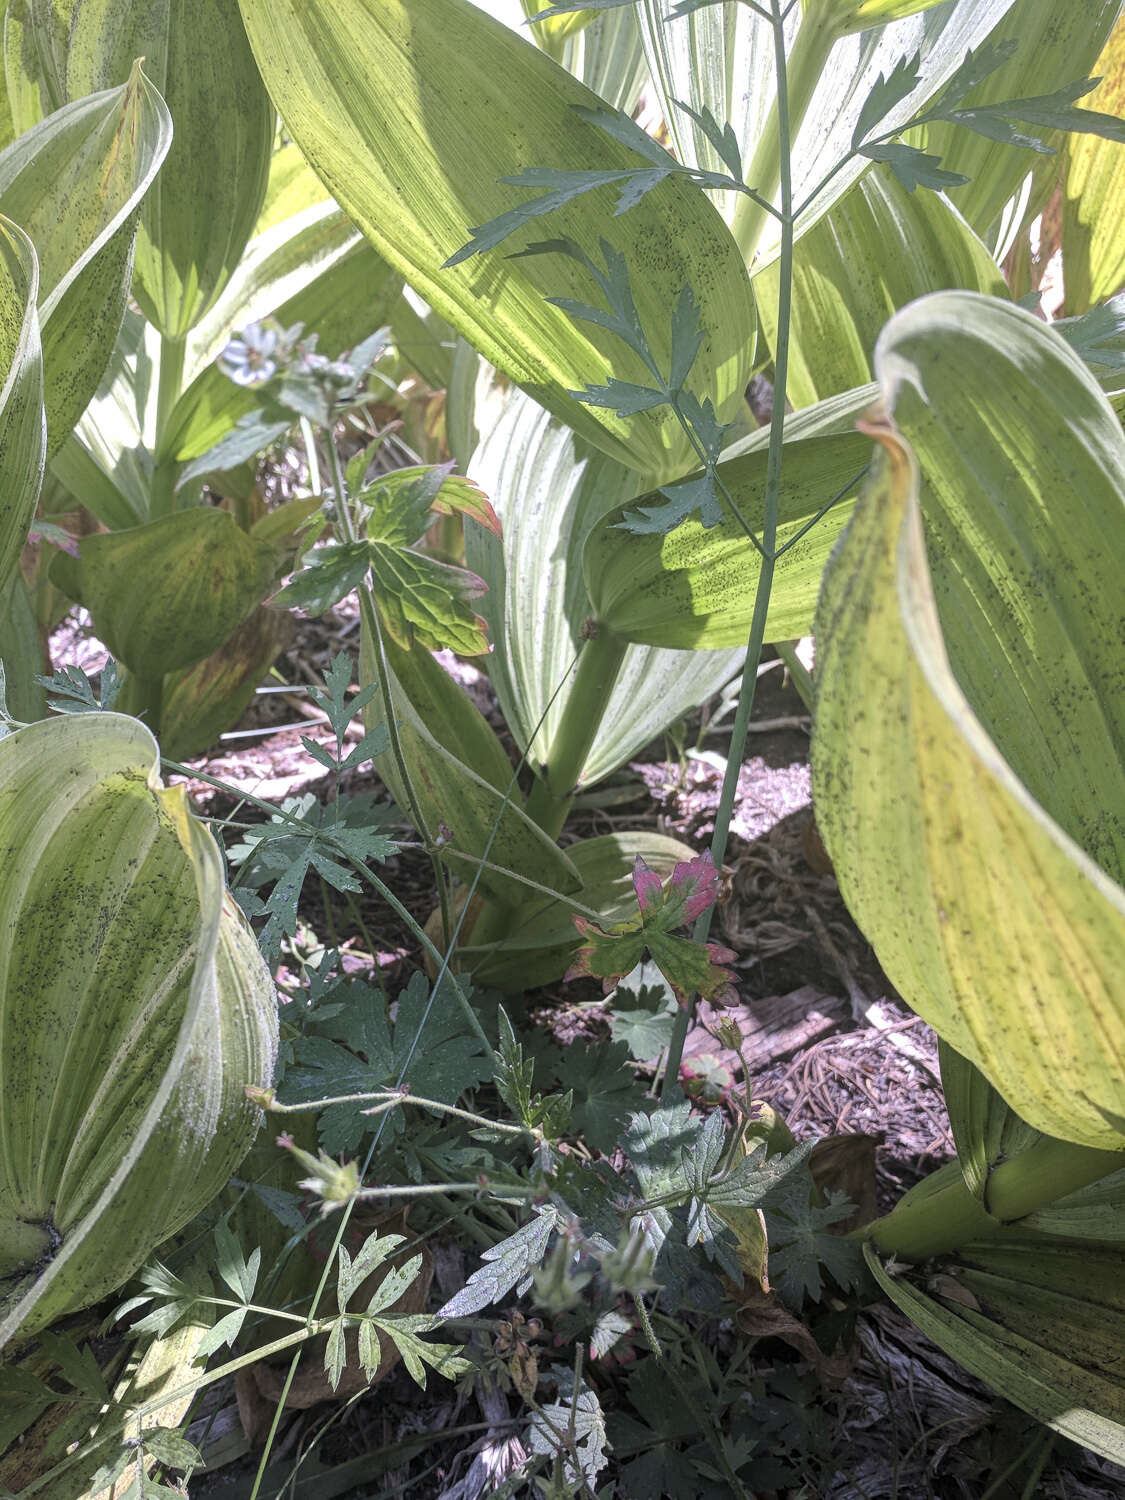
{"x": 370, "y": 619}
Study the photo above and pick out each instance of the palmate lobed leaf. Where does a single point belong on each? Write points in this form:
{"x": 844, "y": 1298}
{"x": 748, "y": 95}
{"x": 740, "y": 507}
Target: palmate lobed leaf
{"x": 689, "y": 967}
{"x": 400, "y": 148}
{"x": 417, "y": 596}
{"x": 967, "y": 757}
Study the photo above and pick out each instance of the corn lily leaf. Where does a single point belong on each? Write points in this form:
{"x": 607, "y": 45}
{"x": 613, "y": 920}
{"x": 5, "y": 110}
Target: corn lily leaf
{"x": 107, "y": 458}
{"x": 22, "y": 431}
{"x": 460, "y": 776}
{"x": 401, "y": 152}
{"x": 692, "y": 588}
{"x": 35, "y": 37}
{"x": 876, "y": 250}
{"x": 602, "y": 49}
{"x": 972, "y": 807}
{"x": 550, "y": 489}
{"x": 291, "y": 188}
{"x": 21, "y": 652}
{"x": 541, "y": 940}
{"x": 195, "y": 228}
{"x": 607, "y": 56}
{"x": 135, "y": 1007}
{"x": 1051, "y": 45}
{"x": 203, "y": 578}
{"x": 1094, "y": 192}
{"x": 986, "y": 1130}
{"x": 203, "y": 700}
{"x": 75, "y": 183}
{"x": 1038, "y": 1319}
{"x": 721, "y": 59}
{"x": 1095, "y": 1212}
{"x": 92, "y": 1451}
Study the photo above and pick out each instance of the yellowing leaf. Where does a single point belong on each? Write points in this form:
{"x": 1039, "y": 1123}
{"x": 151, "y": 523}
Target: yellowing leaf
{"x": 202, "y": 578}
{"x": 967, "y": 756}
{"x": 1093, "y": 202}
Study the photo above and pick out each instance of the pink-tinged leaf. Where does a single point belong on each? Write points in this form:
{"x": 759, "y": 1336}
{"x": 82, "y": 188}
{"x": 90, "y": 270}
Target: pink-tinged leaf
{"x": 689, "y": 967}
{"x": 460, "y": 496}
{"x": 646, "y": 883}
{"x": 695, "y": 883}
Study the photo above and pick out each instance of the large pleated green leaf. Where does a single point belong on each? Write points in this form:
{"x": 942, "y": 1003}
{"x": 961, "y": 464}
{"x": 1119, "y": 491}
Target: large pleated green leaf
{"x": 35, "y": 38}
{"x": 21, "y": 652}
{"x": 196, "y": 224}
{"x": 693, "y": 588}
{"x": 967, "y": 755}
{"x": 549, "y": 489}
{"x": 876, "y": 250}
{"x": 1055, "y": 45}
{"x": 134, "y": 1007}
{"x": 75, "y": 183}
{"x": 106, "y": 460}
{"x": 1093, "y": 196}
{"x": 202, "y": 575}
{"x": 722, "y": 57}
{"x": 22, "y": 432}
{"x": 407, "y": 126}
{"x": 460, "y": 775}
{"x": 1040, "y": 1320}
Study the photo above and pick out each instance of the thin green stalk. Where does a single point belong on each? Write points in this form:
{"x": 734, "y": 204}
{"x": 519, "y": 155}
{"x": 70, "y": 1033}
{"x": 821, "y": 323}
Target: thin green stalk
{"x": 769, "y": 525}
{"x": 391, "y": 1098}
{"x": 772, "y": 154}
{"x": 599, "y": 664}
{"x": 371, "y": 622}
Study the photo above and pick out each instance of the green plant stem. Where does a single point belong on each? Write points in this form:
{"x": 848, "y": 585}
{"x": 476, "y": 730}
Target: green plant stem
{"x": 370, "y": 619}
{"x": 599, "y": 664}
{"x": 391, "y": 1098}
{"x": 941, "y": 1215}
{"x": 807, "y": 58}
{"x": 168, "y": 390}
{"x": 769, "y": 525}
